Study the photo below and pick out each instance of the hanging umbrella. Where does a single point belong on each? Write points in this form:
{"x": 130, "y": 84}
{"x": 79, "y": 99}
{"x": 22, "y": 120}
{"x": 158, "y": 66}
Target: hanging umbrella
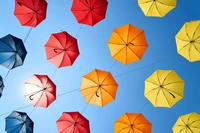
{"x": 19, "y": 122}
{"x": 132, "y": 123}
{"x": 40, "y": 90}
{"x": 127, "y": 44}
{"x": 30, "y": 12}
{"x": 188, "y": 41}
{"x": 156, "y": 8}
{"x": 1, "y": 86}
{"x": 164, "y": 88}
{"x": 89, "y": 12}
{"x": 99, "y": 87}
{"x": 12, "y": 52}
{"x": 189, "y": 123}
{"x": 62, "y": 49}
{"x": 72, "y": 122}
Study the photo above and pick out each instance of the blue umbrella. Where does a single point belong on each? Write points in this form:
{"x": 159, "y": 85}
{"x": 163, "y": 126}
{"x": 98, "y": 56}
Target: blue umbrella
{"x": 12, "y": 51}
{"x": 1, "y": 86}
{"x": 19, "y": 122}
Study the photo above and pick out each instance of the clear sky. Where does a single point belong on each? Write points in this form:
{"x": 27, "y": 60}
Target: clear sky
{"x": 94, "y": 53}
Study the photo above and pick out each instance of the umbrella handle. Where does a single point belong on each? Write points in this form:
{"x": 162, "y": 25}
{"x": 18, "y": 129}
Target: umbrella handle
{"x": 30, "y": 97}
{"x": 55, "y": 50}
{"x": 19, "y": 3}
{"x": 131, "y": 43}
{"x": 97, "y": 94}
{"x": 172, "y": 95}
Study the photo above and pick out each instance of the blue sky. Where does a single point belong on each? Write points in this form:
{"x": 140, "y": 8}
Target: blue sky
{"x": 94, "y": 53}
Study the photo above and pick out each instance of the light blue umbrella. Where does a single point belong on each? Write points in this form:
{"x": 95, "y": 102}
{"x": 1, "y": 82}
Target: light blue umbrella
{"x": 19, "y": 122}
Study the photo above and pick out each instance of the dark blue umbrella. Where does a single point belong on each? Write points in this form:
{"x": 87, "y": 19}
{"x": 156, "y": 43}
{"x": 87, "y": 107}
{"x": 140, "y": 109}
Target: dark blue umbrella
{"x": 1, "y": 86}
{"x": 12, "y": 51}
{"x": 19, "y": 122}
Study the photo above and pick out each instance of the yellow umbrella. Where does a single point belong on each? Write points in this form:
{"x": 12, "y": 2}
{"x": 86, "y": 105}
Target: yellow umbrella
{"x": 189, "y": 123}
{"x": 99, "y": 87}
{"x": 132, "y": 123}
{"x": 127, "y": 44}
{"x": 156, "y": 8}
{"x": 164, "y": 88}
{"x": 188, "y": 41}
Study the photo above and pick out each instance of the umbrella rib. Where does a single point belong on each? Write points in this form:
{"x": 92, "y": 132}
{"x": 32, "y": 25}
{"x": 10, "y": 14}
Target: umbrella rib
{"x": 107, "y": 92}
{"x": 150, "y": 7}
{"x": 7, "y": 59}
{"x": 157, "y": 8}
{"x": 157, "y": 97}
{"x": 15, "y": 128}
{"x": 120, "y": 36}
{"x": 119, "y": 51}
{"x": 164, "y": 4}
{"x": 166, "y": 98}
{"x": 134, "y": 53}
{"x": 136, "y": 117}
{"x": 7, "y": 45}
{"x": 145, "y": 2}
{"x": 152, "y": 90}
{"x": 152, "y": 83}
{"x": 137, "y": 35}
{"x": 195, "y": 31}
{"x": 173, "y": 83}
{"x": 88, "y": 88}
{"x": 166, "y": 77}
{"x": 84, "y": 4}
{"x": 122, "y": 129}
{"x": 39, "y": 99}
{"x": 184, "y": 46}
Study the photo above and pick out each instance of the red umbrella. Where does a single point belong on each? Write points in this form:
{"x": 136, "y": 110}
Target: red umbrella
{"x": 72, "y": 122}
{"x": 62, "y": 49}
{"x": 30, "y": 12}
{"x": 40, "y": 90}
{"x": 89, "y": 12}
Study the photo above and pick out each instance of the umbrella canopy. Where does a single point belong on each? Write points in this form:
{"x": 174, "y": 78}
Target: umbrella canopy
{"x": 40, "y": 90}
{"x": 72, "y": 122}
{"x": 188, "y": 41}
{"x": 164, "y": 88}
{"x": 99, "y": 87}
{"x": 89, "y": 12}
{"x": 1, "y": 86}
{"x": 189, "y": 123}
{"x": 30, "y": 12}
{"x": 127, "y": 44}
{"x": 156, "y": 8}
{"x": 62, "y": 49}
{"x": 12, "y": 52}
{"x": 132, "y": 123}
{"x": 19, "y": 122}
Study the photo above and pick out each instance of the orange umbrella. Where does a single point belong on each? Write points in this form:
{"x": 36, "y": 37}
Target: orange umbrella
{"x": 127, "y": 44}
{"x": 99, "y": 87}
{"x": 132, "y": 123}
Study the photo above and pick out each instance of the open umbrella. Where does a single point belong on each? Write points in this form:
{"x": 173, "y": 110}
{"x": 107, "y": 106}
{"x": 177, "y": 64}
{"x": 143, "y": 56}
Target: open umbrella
{"x": 99, "y": 87}
{"x": 164, "y": 88}
{"x": 188, "y": 123}
{"x": 188, "y": 41}
{"x": 30, "y": 12}
{"x": 1, "y": 86}
{"x": 12, "y": 52}
{"x": 156, "y": 8}
{"x": 62, "y": 49}
{"x": 127, "y": 44}
{"x": 72, "y": 122}
{"x": 19, "y": 122}
{"x": 132, "y": 123}
{"x": 89, "y": 12}
{"x": 40, "y": 90}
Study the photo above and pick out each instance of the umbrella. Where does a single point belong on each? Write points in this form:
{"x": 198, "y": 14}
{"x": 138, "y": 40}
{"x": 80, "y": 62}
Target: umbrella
{"x": 164, "y": 88}
{"x": 132, "y": 123}
{"x": 189, "y": 123}
{"x": 12, "y": 52}
{"x": 1, "y": 86}
{"x": 30, "y": 12}
{"x": 62, "y": 49}
{"x": 72, "y": 122}
{"x": 99, "y": 87}
{"x": 40, "y": 90}
{"x": 89, "y": 12}
{"x": 127, "y": 44}
{"x": 156, "y": 8}
{"x": 188, "y": 41}
{"x": 19, "y": 122}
